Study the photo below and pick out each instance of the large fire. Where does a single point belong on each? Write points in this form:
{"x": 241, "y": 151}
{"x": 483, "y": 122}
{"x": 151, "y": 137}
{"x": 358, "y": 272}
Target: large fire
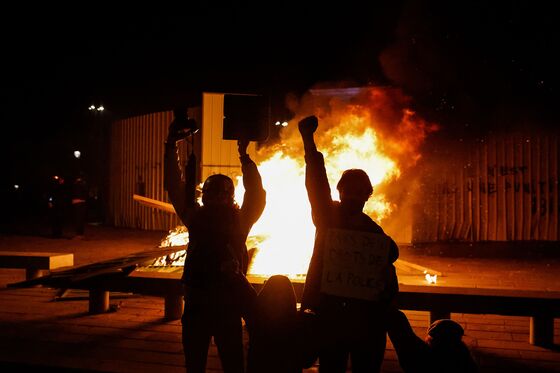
{"x": 349, "y": 137}
{"x": 286, "y": 222}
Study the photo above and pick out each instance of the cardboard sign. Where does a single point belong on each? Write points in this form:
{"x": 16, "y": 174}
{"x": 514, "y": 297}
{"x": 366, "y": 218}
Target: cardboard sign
{"x": 355, "y": 264}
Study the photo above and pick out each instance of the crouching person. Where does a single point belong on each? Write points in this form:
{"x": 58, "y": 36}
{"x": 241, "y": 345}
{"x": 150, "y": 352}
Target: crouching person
{"x": 442, "y": 351}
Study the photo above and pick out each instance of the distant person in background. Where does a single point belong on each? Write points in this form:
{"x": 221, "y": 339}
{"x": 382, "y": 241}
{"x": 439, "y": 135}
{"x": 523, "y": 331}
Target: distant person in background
{"x": 79, "y": 204}
{"x": 56, "y": 202}
{"x": 442, "y": 351}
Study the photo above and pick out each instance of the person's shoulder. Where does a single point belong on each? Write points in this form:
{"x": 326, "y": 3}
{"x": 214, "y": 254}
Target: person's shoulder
{"x": 195, "y": 210}
{"x": 372, "y": 225}
{"x": 334, "y": 207}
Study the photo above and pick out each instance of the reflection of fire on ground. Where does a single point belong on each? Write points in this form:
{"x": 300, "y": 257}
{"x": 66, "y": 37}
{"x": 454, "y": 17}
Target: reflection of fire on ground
{"x": 374, "y": 131}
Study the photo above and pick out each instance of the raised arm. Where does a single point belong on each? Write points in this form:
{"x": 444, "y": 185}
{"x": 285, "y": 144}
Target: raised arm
{"x": 316, "y": 181}
{"x": 413, "y": 353}
{"x": 180, "y": 188}
{"x": 254, "y": 199}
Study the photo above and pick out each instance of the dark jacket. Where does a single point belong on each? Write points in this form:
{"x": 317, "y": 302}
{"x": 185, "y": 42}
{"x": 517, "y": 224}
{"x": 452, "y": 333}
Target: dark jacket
{"x": 328, "y": 214}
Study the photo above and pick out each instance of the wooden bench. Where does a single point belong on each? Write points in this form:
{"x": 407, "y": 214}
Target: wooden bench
{"x": 35, "y": 263}
{"x": 540, "y": 306}
{"x": 167, "y": 285}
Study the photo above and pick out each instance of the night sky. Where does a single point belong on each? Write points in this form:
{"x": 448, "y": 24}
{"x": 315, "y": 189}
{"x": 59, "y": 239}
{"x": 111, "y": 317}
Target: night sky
{"x": 471, "y": 66}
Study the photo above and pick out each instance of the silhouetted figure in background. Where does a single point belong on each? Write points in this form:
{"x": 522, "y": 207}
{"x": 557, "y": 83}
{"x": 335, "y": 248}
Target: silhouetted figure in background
{"x": 217, "y": 292}
{"x": 443, "y": 350}
{"x": 79, "y": 204}
{"x": 355, "y": 324}
{"x": 274, "y": 343}
{"x": 56, "y": 202}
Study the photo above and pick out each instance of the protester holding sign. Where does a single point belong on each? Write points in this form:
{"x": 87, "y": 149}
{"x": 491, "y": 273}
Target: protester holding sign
{"x": 351, "y": 279}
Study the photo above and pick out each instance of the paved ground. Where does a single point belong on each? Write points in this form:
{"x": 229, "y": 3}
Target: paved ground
{"x": 38, "y": 332}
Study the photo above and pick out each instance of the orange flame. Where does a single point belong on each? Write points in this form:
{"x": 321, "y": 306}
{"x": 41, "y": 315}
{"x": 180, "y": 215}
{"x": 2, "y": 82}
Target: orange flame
{"x": 375, "y": 132}
{"x": 286, "y": 221}
{"x": 348, "y": 138}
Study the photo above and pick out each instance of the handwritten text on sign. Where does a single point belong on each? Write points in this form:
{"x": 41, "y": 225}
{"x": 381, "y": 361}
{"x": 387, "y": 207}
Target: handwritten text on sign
{"x": 355, "y": 264}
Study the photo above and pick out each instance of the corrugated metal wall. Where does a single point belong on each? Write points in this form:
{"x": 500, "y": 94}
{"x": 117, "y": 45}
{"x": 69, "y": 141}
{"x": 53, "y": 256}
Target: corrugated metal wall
{"x": 137, "y": 168}
{"x": 502, "y": 188}
{"x": 137, "y": 162}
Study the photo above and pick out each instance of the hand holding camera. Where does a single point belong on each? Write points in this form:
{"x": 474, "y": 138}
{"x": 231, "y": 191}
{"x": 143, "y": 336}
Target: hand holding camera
{"x": 181, "y": 127}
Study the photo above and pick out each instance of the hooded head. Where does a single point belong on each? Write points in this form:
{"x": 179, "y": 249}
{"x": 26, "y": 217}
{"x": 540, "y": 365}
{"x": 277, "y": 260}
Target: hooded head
{"x": 445, "y": 331}
{"x": 218, "y": 190}
{"x": 277, "y": 300}
{"x": 450, "y": 353}
{"x": 354, "y": 188}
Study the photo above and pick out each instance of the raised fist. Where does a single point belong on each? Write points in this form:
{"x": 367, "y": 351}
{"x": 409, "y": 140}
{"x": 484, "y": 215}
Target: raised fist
{"x": 308, "y": 125}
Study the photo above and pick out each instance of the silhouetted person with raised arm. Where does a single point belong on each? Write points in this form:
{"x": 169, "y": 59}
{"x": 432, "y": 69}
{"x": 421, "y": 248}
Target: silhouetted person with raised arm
{"x": 351, "y": 310}
{"x": 216, "y": 290}
{"x": 442, "y": 351}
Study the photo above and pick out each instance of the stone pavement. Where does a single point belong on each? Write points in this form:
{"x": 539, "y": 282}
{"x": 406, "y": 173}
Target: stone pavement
{"x": 38, "y": 332}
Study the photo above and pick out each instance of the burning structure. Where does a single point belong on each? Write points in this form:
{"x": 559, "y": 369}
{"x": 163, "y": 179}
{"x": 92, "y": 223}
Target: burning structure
{"x": 368, "y": 128}
{"x": 501, "y": 189}
{"x": 373, "y": 129}
{"x": 497, "y": 190}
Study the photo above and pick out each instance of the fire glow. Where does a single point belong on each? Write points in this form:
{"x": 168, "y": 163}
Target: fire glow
{"x": 286, "y": 221}
{"x": 347, "y": 137}
{"x": 431, "y": 279}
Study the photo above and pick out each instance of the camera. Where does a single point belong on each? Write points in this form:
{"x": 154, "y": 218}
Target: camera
{"x": 182, "y": 124}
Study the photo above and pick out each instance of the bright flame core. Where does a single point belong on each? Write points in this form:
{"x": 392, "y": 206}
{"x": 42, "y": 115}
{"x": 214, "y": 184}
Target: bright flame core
{"x": 286, "y": 220}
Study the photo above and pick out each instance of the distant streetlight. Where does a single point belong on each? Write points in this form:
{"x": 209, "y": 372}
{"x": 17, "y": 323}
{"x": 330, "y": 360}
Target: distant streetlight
{"x": 16, "y": 187}
{"x": 96, "y": 108}
{"x": 77, "y": 154}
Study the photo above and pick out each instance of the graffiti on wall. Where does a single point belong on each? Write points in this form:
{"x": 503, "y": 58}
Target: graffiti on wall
{"x": 509, "y": 179}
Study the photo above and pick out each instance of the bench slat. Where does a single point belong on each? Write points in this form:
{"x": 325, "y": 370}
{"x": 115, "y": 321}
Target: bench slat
{"x": 35, "y": 260}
